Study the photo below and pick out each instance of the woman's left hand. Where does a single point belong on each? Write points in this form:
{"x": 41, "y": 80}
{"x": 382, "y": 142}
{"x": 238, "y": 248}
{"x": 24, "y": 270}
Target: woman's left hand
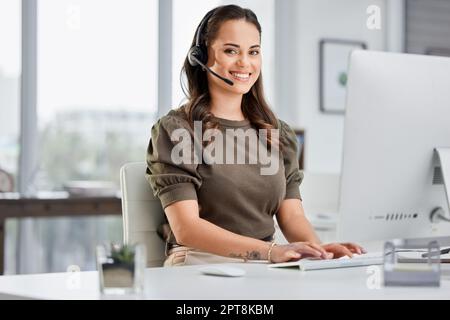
{"x": 343, "y": 249}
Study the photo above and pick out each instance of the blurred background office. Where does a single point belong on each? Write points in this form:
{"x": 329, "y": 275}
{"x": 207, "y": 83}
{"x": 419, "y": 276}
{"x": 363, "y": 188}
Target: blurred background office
{"x": 82, "y": 81}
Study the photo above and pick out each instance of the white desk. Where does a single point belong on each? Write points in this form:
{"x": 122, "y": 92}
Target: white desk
{"x": 259, "y": 283}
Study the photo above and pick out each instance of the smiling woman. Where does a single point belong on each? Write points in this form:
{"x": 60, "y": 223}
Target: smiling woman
{"x": 221, "y": 212}
{"x": 185, "y": 24}
{"x": 241, "y": 60}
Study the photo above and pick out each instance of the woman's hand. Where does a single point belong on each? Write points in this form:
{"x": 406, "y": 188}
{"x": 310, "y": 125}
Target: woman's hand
{"x": 343, "y": 249}
{"x": 296, "y": 250}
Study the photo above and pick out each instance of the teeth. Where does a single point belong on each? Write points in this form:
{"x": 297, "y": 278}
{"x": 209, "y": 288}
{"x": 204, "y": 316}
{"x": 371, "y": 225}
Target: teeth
{"x": 241, "y": 75}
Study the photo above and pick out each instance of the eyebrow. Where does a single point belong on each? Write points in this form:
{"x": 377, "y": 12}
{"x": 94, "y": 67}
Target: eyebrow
{"x": 237, "y": 46}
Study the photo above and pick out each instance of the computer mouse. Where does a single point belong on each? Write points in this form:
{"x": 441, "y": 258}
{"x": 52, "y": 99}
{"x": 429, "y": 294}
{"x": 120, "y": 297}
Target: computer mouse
{"x": 221, "y": 270}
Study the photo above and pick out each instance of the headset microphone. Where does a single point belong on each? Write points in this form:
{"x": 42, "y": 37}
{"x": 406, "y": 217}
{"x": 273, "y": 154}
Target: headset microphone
{"x": 228, "y": 81}
{"x": 198, "y": 54}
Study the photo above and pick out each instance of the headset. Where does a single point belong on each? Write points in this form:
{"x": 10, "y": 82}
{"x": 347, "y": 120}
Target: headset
{"x": 198, "y": 55}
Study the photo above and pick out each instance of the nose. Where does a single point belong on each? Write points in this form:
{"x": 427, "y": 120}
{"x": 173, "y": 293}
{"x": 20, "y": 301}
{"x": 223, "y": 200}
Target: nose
{"x": 243, "y": 61}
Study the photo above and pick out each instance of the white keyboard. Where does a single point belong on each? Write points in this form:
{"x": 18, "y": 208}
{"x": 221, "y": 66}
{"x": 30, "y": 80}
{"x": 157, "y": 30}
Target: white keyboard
{"x": 367, "y": 259}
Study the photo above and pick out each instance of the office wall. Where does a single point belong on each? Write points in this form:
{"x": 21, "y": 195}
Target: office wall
{"x": 317, "y": 19}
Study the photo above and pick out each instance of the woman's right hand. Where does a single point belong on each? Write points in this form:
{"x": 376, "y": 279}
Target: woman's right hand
{"x": 296, "y": 250}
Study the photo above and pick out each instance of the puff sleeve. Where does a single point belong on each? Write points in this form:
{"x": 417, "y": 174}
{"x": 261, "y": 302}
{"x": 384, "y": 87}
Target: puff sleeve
{"x": 293, "y": 175}
{"x": 170, "y": 182}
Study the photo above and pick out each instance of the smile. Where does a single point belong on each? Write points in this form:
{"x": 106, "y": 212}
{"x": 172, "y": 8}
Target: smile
{"x": 242, "y": 77}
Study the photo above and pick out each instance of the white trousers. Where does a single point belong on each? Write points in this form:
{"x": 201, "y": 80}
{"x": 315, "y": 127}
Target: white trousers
{"x": 185, "y": 256}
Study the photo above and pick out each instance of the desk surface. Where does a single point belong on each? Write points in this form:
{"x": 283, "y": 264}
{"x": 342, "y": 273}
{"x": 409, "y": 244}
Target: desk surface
{"x": 260, "y": 282}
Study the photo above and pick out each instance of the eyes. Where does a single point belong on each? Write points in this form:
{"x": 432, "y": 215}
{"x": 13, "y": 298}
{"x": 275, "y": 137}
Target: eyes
{"x": 253, "y": 52}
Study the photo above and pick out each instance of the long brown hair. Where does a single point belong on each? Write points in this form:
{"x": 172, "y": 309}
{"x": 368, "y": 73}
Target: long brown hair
{"x": 254, "y": 105}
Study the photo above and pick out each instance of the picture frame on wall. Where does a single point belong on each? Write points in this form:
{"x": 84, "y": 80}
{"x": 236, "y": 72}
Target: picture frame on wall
{"x": 334, "y": 57}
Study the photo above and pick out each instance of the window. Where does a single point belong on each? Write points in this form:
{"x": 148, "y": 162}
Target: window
{"x": 10, "y": 70}
{"x": 97, "y": 76}
{"x": 186, "y": 17}
{"x": 97, "y": 100}
{"x": 10, "y": 65}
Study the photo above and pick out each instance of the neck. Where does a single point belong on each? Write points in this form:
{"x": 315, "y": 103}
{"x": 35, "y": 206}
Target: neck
{"x": 226, "y": 106}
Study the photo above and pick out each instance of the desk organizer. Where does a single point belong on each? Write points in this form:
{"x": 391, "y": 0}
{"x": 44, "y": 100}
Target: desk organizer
{"x": 400, "y": 271}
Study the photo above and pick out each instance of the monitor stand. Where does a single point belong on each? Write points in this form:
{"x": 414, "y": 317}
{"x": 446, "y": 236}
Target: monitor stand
{"x": 443, "y": 157}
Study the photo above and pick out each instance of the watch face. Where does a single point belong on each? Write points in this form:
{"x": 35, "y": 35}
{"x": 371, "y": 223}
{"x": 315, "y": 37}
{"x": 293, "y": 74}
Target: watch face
{"x": 6, "y": 182}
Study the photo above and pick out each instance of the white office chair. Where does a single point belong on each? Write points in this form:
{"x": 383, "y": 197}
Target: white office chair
{"x": 142, "y": 212}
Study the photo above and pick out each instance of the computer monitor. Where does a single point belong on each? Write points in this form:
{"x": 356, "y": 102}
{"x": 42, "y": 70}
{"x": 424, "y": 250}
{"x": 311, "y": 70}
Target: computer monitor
{"x": 397, "y": 113}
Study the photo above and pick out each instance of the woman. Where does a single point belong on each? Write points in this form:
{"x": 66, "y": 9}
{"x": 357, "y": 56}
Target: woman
{"x": 223, "y": 212}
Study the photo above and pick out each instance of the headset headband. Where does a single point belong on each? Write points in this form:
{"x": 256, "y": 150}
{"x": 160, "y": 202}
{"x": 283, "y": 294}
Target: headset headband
{"x": 201, "y": 27}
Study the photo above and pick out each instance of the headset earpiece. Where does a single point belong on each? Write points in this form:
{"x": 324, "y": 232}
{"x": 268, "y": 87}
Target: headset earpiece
{"x": 197, "y": 52}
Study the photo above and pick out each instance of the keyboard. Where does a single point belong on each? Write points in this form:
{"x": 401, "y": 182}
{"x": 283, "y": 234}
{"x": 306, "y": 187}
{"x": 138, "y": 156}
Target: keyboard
{"x": 367, "y": 259}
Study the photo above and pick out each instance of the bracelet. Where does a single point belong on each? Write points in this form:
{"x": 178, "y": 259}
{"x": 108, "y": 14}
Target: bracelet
{"x": 269, "y": 253}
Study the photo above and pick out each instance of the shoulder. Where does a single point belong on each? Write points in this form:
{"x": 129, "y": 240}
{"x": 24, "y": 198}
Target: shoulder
{"x": 286, "y": 132}
{"x": 174, "y": 119}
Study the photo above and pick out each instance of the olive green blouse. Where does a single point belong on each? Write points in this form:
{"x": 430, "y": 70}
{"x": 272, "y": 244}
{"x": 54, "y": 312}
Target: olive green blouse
{"x": 236, "y": 197}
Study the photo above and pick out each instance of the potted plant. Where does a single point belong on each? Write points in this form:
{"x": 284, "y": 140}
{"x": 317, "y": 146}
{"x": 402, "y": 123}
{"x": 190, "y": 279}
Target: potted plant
{"x": 120, "y": 268}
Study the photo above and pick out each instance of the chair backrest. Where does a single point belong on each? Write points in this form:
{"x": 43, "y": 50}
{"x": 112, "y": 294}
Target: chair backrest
{"x": 142, "y": 212}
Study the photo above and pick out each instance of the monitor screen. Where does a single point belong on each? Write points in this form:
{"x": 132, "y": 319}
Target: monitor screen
{"x": 397, "y": 113}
